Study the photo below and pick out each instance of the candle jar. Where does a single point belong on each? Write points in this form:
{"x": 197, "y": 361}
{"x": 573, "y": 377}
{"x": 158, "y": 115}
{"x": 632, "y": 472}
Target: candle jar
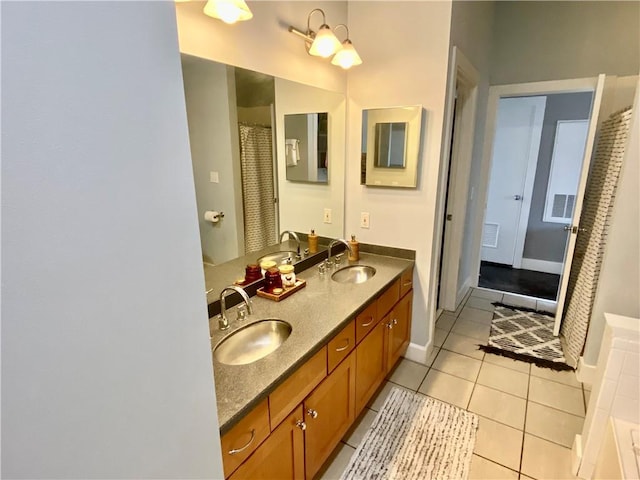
{"x": 252, "y": 273}
{"x": 288, "y": 275}
{"x": 272, "y": 280}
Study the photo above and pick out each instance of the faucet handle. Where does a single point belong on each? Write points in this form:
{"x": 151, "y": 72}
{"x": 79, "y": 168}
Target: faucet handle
{"x": 242, "y": 312}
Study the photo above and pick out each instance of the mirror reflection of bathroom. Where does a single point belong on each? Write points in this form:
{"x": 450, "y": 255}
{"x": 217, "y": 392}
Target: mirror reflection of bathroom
{"x": 306, "y": 141}
{"x": 390, "y": 142}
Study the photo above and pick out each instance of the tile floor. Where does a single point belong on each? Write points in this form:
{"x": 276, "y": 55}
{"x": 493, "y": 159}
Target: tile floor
{"x": 528, "y": 415}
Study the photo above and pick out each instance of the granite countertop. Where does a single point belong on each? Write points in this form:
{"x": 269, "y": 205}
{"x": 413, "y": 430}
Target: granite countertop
{"x": 316, "y": 313}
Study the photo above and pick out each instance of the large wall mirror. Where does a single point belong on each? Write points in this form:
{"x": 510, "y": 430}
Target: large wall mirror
{"x": 236, "y": 121}
{"x": 306, "y": 141}
{"x": 391, "y": 146}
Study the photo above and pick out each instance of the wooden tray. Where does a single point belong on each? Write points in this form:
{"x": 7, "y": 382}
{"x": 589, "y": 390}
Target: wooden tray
{"x": 300, "y": 283}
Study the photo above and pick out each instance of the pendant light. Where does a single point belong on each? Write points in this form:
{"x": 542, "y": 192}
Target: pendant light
{"x": 347, "y": 56}
{"x": 229, "y": 11}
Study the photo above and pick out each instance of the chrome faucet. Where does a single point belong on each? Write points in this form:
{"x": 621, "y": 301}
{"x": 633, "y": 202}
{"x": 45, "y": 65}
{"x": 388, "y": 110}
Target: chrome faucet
{"x": 295, "y": 237}
{"x": 223, "y": 321}
{"x": 335, "y": 242}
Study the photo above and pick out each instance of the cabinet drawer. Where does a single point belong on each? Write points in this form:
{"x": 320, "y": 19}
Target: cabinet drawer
{"x": 366, "y": 321}
{"x": 406, "y": 281}
{"x": 341, "y": 345}
{"x": 388, "y": 299}
{"x": 295, "y": 388}
{"x": 240, "y": 442}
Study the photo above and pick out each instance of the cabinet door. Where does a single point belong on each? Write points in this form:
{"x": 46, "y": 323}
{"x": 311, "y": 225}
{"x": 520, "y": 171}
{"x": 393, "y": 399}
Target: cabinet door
{"x": 329, "y": 412}
{"x": 371, "y": 360}
{"x": 281, "y": 456}
{"x": 399, "y": 326}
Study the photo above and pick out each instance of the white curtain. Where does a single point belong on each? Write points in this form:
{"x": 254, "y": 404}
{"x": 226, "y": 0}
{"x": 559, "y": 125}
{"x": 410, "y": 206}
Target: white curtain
{"x": 256, "y": 158}
{"x": 595, "y": 218}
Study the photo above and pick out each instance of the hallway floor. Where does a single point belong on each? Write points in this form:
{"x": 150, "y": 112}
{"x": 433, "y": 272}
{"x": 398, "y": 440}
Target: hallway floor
{"x": 528, "y": 415}
{"x": 496, "y": 276}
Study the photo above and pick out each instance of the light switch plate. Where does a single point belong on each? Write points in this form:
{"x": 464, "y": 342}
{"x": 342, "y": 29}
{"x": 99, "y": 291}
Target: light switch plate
{"x": 214, "y": 177}
{"x": 327, "y": 215}
{"x": 364, "y": 219}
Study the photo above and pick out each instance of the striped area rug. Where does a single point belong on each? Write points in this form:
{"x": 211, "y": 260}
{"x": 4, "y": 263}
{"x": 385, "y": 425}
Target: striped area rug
{"x": 415, "y": 437}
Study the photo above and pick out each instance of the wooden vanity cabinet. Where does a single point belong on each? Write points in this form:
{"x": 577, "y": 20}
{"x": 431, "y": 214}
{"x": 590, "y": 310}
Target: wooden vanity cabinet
{"x": 281, "y": 456}
{"x": 371, "y": 365}
{"x": 399, "y": 329}
{"x": 329, "y": 412}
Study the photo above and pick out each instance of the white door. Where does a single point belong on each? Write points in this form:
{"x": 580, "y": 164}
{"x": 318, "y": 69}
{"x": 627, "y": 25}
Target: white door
{"x": 513, "y": 165}
{"x": 575, "y": 224}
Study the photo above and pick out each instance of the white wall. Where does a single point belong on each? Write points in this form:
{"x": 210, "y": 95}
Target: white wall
{"x": 400, "y": 69}
{"x": 619, "y": 282}
{"x": 472, "y": 32}
{"x": 302, "y": 204}
{"x": 106, "y": 362}
{"x": 542, "y": 40}
{"x": 210, "y": 99}
{"x": 264, "y": 44}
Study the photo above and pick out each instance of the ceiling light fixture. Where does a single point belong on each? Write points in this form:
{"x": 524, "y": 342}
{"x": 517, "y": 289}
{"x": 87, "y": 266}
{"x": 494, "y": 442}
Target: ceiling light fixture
{"x": 229, "y": 11}
{"x": 321, "y": 44}
{"x": 347, "y": 56}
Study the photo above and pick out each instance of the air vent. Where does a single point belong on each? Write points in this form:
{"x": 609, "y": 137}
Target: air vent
{"x": 490, "y": 235}
{"x": 562, "y": 206}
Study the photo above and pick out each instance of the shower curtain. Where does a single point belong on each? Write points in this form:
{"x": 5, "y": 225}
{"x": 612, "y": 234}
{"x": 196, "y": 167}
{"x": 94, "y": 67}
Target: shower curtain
{"x": 256, "y": 159}
{"x": 590, "y": 244}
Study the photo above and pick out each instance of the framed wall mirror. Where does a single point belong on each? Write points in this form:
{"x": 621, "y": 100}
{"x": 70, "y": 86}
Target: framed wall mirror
{"x": 306, "y": 147}
{"x": 391, "y": 146}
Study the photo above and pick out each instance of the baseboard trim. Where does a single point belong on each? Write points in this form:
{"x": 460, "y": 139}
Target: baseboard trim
{"x": 576, "y": 454}
{"x": 418, "y": 353}
{"x": 541, "y": 266}
{"x": 585, "y": 373}
{"x": 463, "y": 291}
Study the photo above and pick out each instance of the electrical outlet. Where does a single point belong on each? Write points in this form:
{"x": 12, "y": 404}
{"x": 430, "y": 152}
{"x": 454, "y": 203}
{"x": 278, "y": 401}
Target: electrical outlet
{"x": 327, "y": 215}
{"x": 364, "y": 219}
{"x": 214, "y": 177}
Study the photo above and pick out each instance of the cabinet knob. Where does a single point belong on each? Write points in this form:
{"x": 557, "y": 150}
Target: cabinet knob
{"x": 395, "y": 321}
{"x": 389, "y": 325}
{"x": 312, "y": 413}
{"x": 301, "y": 425}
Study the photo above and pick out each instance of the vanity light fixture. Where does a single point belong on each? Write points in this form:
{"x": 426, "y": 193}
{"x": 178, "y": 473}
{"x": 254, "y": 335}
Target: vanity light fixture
{"x": 347, "y": 56}
{"x": 229, "y": 11}
{"x": 324, "y": 43}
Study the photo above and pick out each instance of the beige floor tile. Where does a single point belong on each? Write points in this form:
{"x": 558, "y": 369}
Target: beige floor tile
{"x": 524, "y": 477}
{"x": 355, "y": 434}
{"x": 488, "y": 294}
{"x": 336, "y": 463}
{"x": 480, "y": 304}
{"x": 498, "y": 406}
{"x": 432, "y": 355}
{"x": 476, "y": 315}
{"x": 408, "y": 374}
{"x": 483, "y": 469}
{"x": 458, "y": 365}
{"x": 438, "y": 336}
{"x": 551, "y": 424}
{"x": 504, "y": 379}
{"x": 556, "y": 395}
{"x": 507, "y": 362}
{"x": 518, "y": 301}
{"x": 464, "y": 345}
{"x": 445, "y": 322}
{"x": 566, "y": 377}
{"x": 499, "y": 443}
{"x": 378, "y": 400}
{"x": 545, "y": 460}
{"x": 447, "y": 388}
{"x": 476, "y": 330}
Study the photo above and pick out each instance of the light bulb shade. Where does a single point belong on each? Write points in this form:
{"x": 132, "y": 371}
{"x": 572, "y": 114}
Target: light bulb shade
{"x": 229, "y": 11}
{"x": 325, "y": 43}
{"x": 347, "y": 57}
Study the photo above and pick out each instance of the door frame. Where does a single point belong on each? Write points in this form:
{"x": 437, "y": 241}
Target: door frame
{"x": 592, "y": 84}
{"x": 455, "y": 163}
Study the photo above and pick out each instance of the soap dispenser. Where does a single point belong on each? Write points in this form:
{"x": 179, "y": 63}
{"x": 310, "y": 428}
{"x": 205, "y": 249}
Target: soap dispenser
{"x": 313, "y": 242}
{"x": 354, "y": 254}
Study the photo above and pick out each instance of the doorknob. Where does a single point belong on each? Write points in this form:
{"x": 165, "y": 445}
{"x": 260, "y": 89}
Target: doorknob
{"x": 517, "y": 197}
{"x": 567, "y": 228}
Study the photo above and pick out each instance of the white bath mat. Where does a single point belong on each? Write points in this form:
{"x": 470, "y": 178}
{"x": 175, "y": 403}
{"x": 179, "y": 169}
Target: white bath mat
{"x": 414, "y": 437}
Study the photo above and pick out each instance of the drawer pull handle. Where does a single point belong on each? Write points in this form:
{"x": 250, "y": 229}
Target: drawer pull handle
{"x": 342, "y": 349}
{"x": 241, "y": 449}
{"x": 369, "y": 323}
{"x": 301, "y": 425}
{"x": 312, "y": 413}
{"x": 407, "y": 284}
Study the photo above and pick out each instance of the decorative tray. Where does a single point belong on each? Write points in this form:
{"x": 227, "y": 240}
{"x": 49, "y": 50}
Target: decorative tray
{"x": 300, "y": 283}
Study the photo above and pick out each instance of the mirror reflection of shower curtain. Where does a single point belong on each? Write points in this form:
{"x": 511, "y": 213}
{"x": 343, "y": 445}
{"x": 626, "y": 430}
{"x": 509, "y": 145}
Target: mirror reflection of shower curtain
{"x": 256, "y": 159}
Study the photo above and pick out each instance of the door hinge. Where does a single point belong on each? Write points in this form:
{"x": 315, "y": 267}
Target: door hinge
{"x": 449, "y": 217}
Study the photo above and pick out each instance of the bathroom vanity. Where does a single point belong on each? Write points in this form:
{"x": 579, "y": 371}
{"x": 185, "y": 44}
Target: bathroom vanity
{"x": 281, "y": 416}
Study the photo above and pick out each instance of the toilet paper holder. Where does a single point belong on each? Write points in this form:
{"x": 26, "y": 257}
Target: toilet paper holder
{"x": 213, "y": 216}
